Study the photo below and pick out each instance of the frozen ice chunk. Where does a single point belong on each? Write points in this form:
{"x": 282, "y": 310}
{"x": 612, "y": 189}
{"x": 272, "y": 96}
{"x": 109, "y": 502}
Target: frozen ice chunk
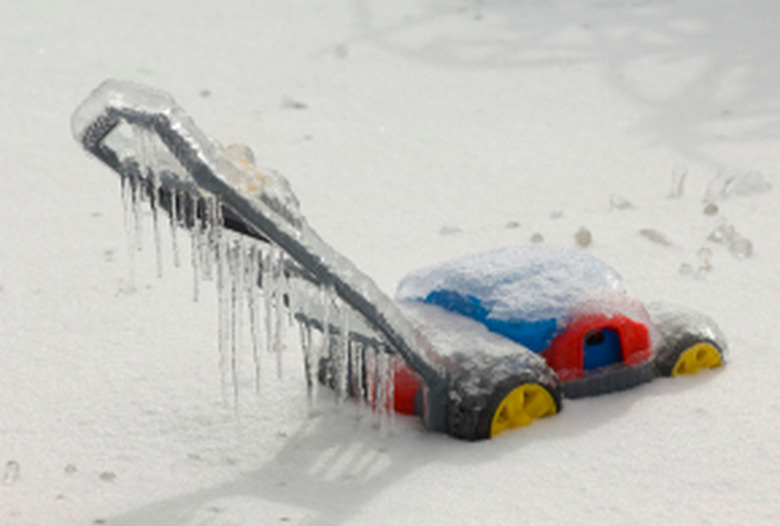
{"x": 741, "y": 247}
{"x": 264, "y": 183}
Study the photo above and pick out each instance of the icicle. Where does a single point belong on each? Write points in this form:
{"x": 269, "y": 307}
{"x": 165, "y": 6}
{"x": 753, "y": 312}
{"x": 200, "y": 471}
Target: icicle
{"x": 268, "y": 298}
{"x": 154, "y": 199}
{"x": 389, "y": 378}
{"x": 273, "y": 296}
{"x": 174, "y": 220}
{"x": 369, "y": 364}
{"x": 220, "y": 252}
{"x": 342, "y": 356}
{"x": 130, "y": 219}
{"x": 381, "y": 383}
{"x": 136, "y": 196}
{"x": 357, "y": 351}
{"x": 150, "y": 186}
{"x": 233, "y": 252}
{"x": 212, "y": 212}
{"x": 251, "y": 267}
{"x": 224, "y": 333}
{"x": 280, "y": 314}
{"x": 195, "y": 243}
{"x": 308, "y": 358}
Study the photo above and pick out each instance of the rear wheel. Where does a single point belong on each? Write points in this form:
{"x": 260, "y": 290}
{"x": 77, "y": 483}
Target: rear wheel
{"x": 702, "y": 355}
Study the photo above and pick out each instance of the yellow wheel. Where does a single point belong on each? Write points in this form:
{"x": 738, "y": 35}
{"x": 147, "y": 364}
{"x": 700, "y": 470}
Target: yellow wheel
{"x": 522, "y": 406}
{"x": 695, "y": 357}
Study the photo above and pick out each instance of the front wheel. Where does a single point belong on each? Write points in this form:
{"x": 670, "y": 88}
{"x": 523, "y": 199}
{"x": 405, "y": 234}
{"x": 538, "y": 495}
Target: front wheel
{"x": 521, "y": 406}
{"x": 687, "y": 341}
{"x": 494, "y": 397}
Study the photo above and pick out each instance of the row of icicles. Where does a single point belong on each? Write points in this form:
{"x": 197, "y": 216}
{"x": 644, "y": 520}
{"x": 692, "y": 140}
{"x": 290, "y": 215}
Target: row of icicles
{"x": 259, "y": 301}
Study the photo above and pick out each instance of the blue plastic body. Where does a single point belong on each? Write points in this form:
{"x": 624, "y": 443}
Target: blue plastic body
{"x": 535, "y": 335}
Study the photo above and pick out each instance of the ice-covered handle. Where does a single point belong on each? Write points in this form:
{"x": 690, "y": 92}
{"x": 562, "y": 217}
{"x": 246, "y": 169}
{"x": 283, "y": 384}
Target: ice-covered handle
{"x": 266, "y": 213}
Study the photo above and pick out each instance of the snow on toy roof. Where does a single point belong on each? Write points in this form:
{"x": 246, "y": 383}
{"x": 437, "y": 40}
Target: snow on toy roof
{"x": 525, "y": 283}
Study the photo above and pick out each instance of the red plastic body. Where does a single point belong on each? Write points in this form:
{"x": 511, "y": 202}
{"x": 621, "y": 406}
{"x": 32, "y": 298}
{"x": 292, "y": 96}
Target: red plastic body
{"x": 566, "y": 352}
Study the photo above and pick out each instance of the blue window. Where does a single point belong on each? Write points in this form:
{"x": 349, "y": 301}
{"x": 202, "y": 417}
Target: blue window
{"x": 601, "y": 347}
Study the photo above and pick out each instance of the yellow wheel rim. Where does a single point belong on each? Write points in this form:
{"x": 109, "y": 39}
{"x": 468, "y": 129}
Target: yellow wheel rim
{"x": 522, "y": 406}
{"x": 695, "y": 357}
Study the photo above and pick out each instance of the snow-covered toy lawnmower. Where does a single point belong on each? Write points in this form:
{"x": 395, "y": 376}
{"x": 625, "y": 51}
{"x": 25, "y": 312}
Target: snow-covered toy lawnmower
{"x": 474, "y": 346}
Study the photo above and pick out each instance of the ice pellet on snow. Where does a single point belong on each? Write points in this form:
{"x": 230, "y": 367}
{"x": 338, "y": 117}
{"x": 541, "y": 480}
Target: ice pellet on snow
{"x": 618, "y": 202}
{"x": 12, "y": 472}
{"x": 686, "y": 269}
{"x": 679, "y": 174}
{"x": 723, "y": 233}
{"x": 704, "y": 255}
{"x": 583, "y": 237}
{"x": 710, "y": 209}
{"x": 741, "y": 247}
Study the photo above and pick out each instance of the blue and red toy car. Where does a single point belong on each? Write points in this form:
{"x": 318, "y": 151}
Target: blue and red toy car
{"x": 568, "y": 308}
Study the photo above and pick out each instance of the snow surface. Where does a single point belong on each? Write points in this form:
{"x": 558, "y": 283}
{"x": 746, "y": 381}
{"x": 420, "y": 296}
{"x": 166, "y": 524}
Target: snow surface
{"x": 412, "y": 133}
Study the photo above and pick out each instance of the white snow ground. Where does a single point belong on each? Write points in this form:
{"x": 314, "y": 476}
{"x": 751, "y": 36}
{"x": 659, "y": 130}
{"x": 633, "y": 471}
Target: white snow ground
{"x": 413, "y": 132}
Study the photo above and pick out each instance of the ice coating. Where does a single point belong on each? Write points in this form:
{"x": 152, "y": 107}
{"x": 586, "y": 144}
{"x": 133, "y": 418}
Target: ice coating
{"x": 210, "y": 190}
{"x": 115, "y": 106}
{"x": 525, "y": 283}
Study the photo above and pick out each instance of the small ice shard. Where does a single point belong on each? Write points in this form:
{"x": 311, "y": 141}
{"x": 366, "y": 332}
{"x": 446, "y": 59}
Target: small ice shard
{"x": 704, "y": 256}
{"x": 719, "y": 186}
{"x": 71, "y": 469}
{"x": 583, "y": 237}
{"x": 679, "y": 173}
{"x": 12, "y": 472}
{"x": 723, "y": 233}
{"x": 537, "y": 238}
{"x": 655, "y": 236}
{"x": 292, "y": 104}
{"x": 686, "y": 269}
{"x": 511, "y": 225}
{"x": 618, "y": 202}
{"x": 735, "y": 184}
{"x": 556, "y": 214}
{"x": 741, "y": 247}
{"x": 108, "y": 476}
{"x": 449, "y": 230}
{"x": 710, "y": 209}
{"x": 748, "y": 184}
